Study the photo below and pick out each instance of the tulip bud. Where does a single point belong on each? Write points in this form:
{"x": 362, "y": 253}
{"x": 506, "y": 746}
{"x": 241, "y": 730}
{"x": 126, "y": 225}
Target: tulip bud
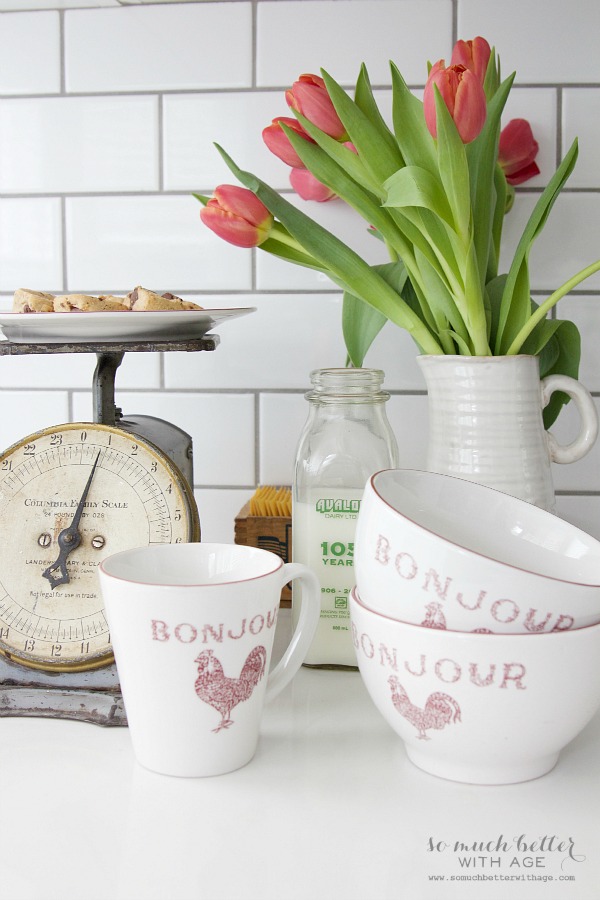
{"x": 238, "y": 216}
{"x": 517, "y": 150}
{"x": 309, "y": 97}
{"x": 278, "y": 142}
{"x": 463, "y": 94}
{"x": 310, "y": 188}
{"x": 473, "y": 55}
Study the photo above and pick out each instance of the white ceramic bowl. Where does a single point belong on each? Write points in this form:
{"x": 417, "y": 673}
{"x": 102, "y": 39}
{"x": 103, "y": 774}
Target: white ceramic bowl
{"x": 478, "y": 708}
{"x": 448, "y": 553}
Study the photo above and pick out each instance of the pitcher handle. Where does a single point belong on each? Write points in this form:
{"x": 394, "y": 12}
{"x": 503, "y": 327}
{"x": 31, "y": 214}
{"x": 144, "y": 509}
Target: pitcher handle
{"x": 583, "y": 443}
{"x": 310, "y": 612}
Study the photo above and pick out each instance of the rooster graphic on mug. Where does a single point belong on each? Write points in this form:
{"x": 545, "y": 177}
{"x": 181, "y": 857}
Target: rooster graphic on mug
{"x": 222, "y": 693}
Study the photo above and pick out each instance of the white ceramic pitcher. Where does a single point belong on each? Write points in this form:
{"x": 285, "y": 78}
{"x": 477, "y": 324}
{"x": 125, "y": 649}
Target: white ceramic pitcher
{"x": 485, "y": 423}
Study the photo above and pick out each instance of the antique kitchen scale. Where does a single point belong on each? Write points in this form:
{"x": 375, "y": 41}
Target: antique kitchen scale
{"x": 70, "y": 495}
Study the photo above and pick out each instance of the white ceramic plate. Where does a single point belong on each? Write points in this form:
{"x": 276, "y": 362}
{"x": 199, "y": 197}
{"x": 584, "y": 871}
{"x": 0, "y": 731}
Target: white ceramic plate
{"x": 80, "y": 328}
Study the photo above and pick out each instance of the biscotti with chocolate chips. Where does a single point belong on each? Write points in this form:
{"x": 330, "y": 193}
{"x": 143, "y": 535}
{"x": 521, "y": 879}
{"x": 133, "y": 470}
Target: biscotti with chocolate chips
{"x": 84, "y": 303}
{"x": 26, "y": 301}
{"x": 142, "y": 300}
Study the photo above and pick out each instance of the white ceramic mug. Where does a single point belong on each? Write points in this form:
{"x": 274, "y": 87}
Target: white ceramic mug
{"x": 192, "y": 628}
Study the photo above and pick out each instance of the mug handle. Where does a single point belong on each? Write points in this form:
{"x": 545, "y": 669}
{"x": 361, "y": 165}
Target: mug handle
{"x": 584, "y": 441}
{"x": 310, "y": 611}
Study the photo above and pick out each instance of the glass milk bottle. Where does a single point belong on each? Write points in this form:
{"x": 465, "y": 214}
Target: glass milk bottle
{"x": 347, "y": 438}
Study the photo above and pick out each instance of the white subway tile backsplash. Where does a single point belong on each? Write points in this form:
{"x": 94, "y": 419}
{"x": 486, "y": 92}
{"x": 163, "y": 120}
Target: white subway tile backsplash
{"x": 76, "y": 370}
{"x": 38, "y": 70}
{"x": 409, "y": 420}
{"x": 157, "y": 241}
{"x": 282, "y": 418}
{"x": 567, "y": 244}
{"x": 221, "y": 427}
{"x": 158, "y": 48}
{"x": 273, "y": 274}
{"x": 54, "y": 4}
{"x": 24, "y": 412}
{"x": 585, "y": 473}
{"x": 581, "y": 120}
{"x": 394, "y": 351}
{"x": 584, "y": 311}
{"x": 583, "y": 512}
{"x": 217, "y": 510}
{"x": 338, "y": 35}
{"x": 545, "y": 41}
{"x": 90, "y": 144}
{"x": 108, "y": 115}
{"x": 266, "y": 349}
{"x": 30, "y": 243}
{"x": 193, "y": 123}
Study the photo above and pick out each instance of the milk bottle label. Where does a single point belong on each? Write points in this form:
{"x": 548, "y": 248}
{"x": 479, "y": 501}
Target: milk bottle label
{"x": 323, "y": 538}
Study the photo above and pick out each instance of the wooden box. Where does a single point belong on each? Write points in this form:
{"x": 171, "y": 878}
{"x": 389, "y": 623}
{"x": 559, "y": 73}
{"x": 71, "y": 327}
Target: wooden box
{"x": 272, "y": 533}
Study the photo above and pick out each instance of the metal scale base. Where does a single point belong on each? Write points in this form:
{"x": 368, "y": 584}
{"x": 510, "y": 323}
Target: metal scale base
{"x": 94, "y": 696}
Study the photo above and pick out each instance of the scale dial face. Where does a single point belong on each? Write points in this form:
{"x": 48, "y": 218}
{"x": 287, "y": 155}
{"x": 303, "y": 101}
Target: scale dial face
{"x": 72, "y": 495}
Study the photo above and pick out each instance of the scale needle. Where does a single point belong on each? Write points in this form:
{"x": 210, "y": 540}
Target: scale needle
{"x": 69, "y": 539}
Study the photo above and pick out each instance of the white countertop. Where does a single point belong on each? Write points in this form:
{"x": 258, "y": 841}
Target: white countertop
{"x": 329, "y": 809}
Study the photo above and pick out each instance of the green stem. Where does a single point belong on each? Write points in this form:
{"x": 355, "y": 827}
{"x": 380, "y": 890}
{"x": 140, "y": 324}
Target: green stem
{"x": 280, "y": 233}
{"x": 544, "y": 308}
{"x": 392, "y": 252}
{"x": 475, "y": 309}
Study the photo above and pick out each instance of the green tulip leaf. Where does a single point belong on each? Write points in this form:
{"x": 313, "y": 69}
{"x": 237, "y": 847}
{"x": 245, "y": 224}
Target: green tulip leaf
{"x": 377, "y": 155}
{"x": 417, "y": 146}
{"x": 491, "y": 81}
{"x": 330, "y": 172}
{"x": 499, "y": 211}
{"x": 454, "y": 171}
{"x": 360, "y": 322}
{"x": 440, "y": 300}
{"x": 414, "y": 186}
{"x": 291, "y": 254}
{"x": 515, "y": 302}
{"x": 345, "y": 158}
{"x": 482, "y": 156}
{"x": 566, "y": 362}
{"x": 364, "y": 99}
{"x": 463, "y": 347}
{"x": 494, "y": 290}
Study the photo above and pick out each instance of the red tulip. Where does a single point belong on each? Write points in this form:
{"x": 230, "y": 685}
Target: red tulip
{"x": 278, "y": 142}
{"x": 517, "y": 151}
{"x": 310, "y": 188}
{"x": 462, "y": 93}
{"x": 473, "y": 55}
{"x": 309, "y": 97}
{"x": 237, "y": 216}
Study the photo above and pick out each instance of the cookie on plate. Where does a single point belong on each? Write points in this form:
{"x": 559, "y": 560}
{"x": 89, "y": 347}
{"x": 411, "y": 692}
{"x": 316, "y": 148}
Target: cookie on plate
{"x": 142, "y": 300}
{"x": 26, "y": 301}
{"x": 84, "y": 303}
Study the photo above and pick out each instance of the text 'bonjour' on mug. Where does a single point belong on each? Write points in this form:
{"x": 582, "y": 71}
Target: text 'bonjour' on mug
{"x": 192, "y": 627}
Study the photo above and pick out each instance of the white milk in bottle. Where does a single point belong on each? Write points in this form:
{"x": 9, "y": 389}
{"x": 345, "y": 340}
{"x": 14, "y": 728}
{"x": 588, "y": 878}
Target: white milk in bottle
{"x": 346, "y": 439}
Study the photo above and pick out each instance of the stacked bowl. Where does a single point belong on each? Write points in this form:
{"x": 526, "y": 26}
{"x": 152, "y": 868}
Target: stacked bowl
{"x": 476, "y": 624}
